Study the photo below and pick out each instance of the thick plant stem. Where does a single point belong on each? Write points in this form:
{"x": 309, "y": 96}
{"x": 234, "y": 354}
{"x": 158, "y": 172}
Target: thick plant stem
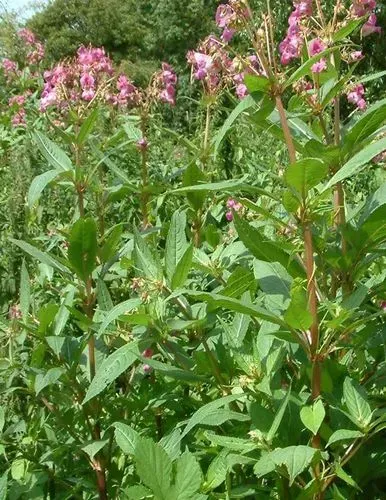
{"x": 98, "y": 466}
{"x": 311, "y": 284}
{"x": 145, "y": 177}
{"x": 286, "y": 130}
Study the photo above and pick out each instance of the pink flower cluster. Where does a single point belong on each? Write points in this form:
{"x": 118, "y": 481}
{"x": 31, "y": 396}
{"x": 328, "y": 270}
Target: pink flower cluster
{"x": 292, "y": 44}
{"x": 167, "y": 84}
{"x": 210, "y": 63}
{"x": 79, "y": 80}
{"x": 230, "y": 17}
{"x": 10, "y": 68}
{"x": 356, "y": 96}
{"x": 361, "y": 8}
{"x": 232, "y": 205}
{"x": 35, "y": 49}
{"x": 239, "y": 69}
{"x": 17, "y": 103}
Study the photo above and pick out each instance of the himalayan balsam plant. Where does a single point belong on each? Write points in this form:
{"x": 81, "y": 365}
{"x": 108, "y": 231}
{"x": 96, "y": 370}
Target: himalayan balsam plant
{"x": 224, "y": 339}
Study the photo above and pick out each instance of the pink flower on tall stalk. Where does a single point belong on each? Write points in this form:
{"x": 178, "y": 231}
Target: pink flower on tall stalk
{"x": 168, "y": 81}
{"x": 290, "y": 47}
{"x": 143, "y": 145}
{"x": 316, "y": 46}
{"x": 18, "y": 119}
{"x": 319, "y": 66}
{"x": 361, "y": 8}
{"x": 87, "y": 81}
{"x": 27, "y": 36}
{"x": 230, "y": 17}
{"x": 355, "y": 56}
{"x": 370, "y": 26}
{"x": 232, "y": 205}
{"x": 356, "y": 96}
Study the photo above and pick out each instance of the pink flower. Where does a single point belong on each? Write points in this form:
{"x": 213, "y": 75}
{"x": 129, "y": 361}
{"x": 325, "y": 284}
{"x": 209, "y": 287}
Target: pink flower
{"x": 319, "y": 66}
{"x": 27, "y": 36}
{"x": 168, "y": 95}
{"x": 88, "y": 95}
{"x": 147, "y": 369}
{"x": 168, "y": 75}
{"x": 227, "y": 35}
{"x": 370, "y": 26}
{"x": 383, "y": 305}
{"x": 362, "y": 7}
{"x": 316, "y": 46}
{"x": 9, "y": 66}
{"x": 290, "y": 47}
{"x": 203, "y": 64}
{"x": 18, "y": 100}
{"x": 87, "y": 81}
{"x": 356, "y": 96}
{"x": 142, "y": 145}
{"x": 224, "y": 15}
{"x": 355, "y": 56}
{"x": 18, "y": 119}
{"x": 241, "y": 91}
{"x": 232, "y": 205}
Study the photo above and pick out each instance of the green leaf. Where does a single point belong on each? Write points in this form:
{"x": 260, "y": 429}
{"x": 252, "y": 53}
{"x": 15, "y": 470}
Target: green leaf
{"x": 373, "y": 202}
{"x": 372, "y": 76}
{"x": 38, "y": 185}
{"x": 111, "y": 368}
{"x": 345, "y": 477}
{"x": 313, "y": 416}
{"x": 63, "y": 313}
{"x": 87, "y": 126}
{"x": 2, "y": 419}
{"x": 241, "y": 107}
{"x": 256, "y": 83}
{"x": 43, "y": 257}
{"x": 278, "y": 417}
{"x": 358, "y": 162}
{"x": 239, "y": 282}
{"x": 51, "y": 377}
{"x": 217, "y": 471}
{"x": 298, "y": 315}
{"x": 94, "y": 447}
{"x": 137, "y": 492}
{"x": 118, "y": 310}
{"x": 305, "y": 68}
{"x": 295, "y": 458}
{"x": 52, "y": 153}
{"x": 343, "y": 435}
{"x": 154, "y": 467}
{"x": 175, "y": 242}
{"x": 232, "y": 185}
{"x": 4, "y": 486}
{"x": 126, "y": 438}
{"x": 83, "y": 248}
{"x": 235, "y": 305}
{"x": 208, "y": 411}
{"x": 263, "y": 249}
{"x": 145, "y": 260}
{"x": 25, "y": 291}
{"x": 367, "y": 124}
{"x": 174, "y": 372}
{"x": 356, "y": 401}
{"x": 232, "y": 443}
{"x": 182, "y": 269}
{"x": 105, "y": 302}
{"x": 306, "y": 174}
{"x": 188, "y": 477}
{"x": 344, "y": 32}
{"x": 193, "y": 176}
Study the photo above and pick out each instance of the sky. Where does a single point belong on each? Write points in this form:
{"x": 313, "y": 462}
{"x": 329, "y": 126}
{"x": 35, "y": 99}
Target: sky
{"x": 17, "y": 5}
